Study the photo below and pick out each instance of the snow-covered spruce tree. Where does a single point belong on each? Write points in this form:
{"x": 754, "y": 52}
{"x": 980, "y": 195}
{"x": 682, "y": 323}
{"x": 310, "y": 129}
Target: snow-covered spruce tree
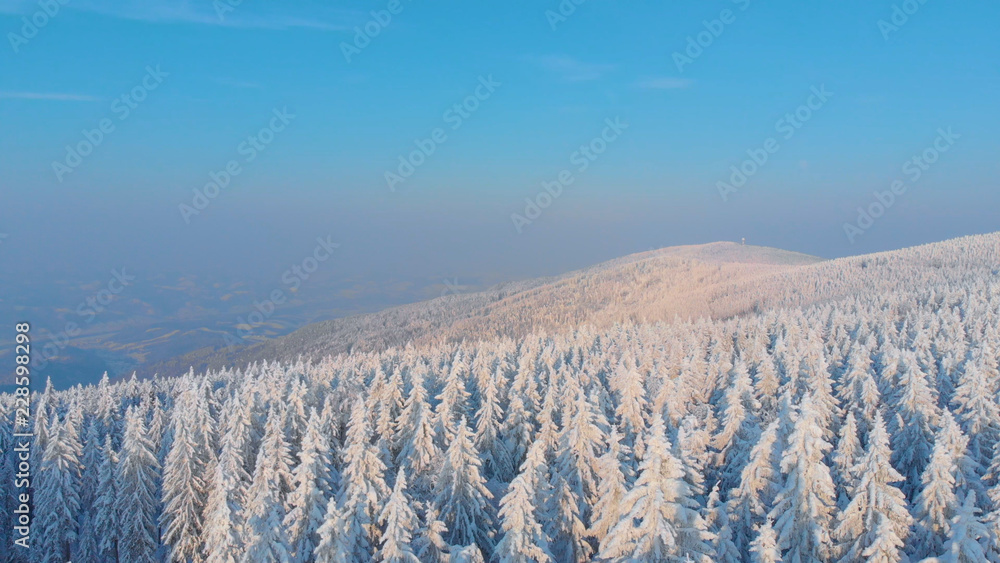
{"x": 693, "y": 449}
{"x": 877, "y": 514}
{"x": 766, "y": 385}
{"x": 611, "y": 490}
{"x": 660, "y": 520}
{"x": 496, "y": 459}
{"x": 803, "y": 509}
{"x": 105, "y": 521}
{"x": 184, "y": 492}
{"x": 968, "y": 470}
{"x": 916, "y": 413}
{"x": 107, "y": 413}
{"x": 517, "y": 429}
{"x": 58, "y": 492}
{"x": 764, "y": 548}
{"x": 567, "y": 532}
{"x": 937, "y": 503}
{"x": 524, "y": 540}
{"x": 429, "y": 542}
{"x": 265, "y": 537}
{"x": 858, "y": 391}
{"x": 576, "y": 459}
{"x": 725, "y": 550}
{"x": 627, "y": 382}
{"x": 388, "y": 407}
{"x": 400, "y": 523}
{"x": 44, "y": 409}
{"x": 739, "y": 429}
{"x": 223, "y": 510}
{"x": 820, "y": 384}
{"x": 461, "y": 496}
{"x": 968, "y": 539}
{"x": 452, "y": 402}
{"x": 350, "y": 531}
{"x": 750, "y": 502}
{"x": 308, "y": 499}
{"x": 90, "y": 463}
{"x": 976, "y": 408}
{"x": 86, "y": 549}
{"x": 419, "y": 455}
{"x": 158, "y": 430}
{"x": 136, "y": 483}
{"x": 844, "y": 458}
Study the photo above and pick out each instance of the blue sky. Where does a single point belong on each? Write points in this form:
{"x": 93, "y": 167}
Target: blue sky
{"x": 655, "y": 185}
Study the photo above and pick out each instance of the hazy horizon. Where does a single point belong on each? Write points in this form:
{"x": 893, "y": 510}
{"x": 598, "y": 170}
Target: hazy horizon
{"x": 418, "y": 162}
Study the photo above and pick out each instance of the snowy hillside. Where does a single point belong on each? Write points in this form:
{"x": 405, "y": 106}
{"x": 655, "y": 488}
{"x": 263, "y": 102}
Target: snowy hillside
{"x": 718, "y": 281}
{"x": 836, "y": 411}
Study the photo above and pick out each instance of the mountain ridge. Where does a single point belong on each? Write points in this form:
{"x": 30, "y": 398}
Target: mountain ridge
{"x": 714, "y": 280}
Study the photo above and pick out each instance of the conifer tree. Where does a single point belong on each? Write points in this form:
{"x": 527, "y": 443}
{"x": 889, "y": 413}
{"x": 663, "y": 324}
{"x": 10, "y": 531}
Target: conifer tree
{"x": 184, "y": 493}
{"x": 844, "y": 458}
{"x": 308, "y": 499}
{"x": 611, "y": 490}
{"x": 759, "y": 484}
{"x": 350, "y": 531}
{"x": 136, "y": 483}
{"x": 223, "y": 541}
{"x": 461, "y": 495}
{"x": 265, "y": 538}
{"x": 968, "y": 538}
{"x": 419, "y": 454}
{"x": 452, "y": 402}
{"x": 913, "y": 435}
{"x": 523, "y": 538}
{"x": 764, "y": 548}
{"x": 978, "y": 412}
{"x": 803, "y": 509}
{"x": 400, "y": 523}
{"x": 429, "y": 543}
{"x": 660, "y": 518}
{"x": 495, "y": 457}
{"x": 937, "y": 503}
{"x": 105, "y": 519}
{"x": 58, "y": 492}
{"x": 876, "y": 517}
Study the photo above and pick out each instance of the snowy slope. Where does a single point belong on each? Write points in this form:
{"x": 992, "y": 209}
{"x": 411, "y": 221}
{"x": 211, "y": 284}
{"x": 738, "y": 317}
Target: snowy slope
{"x": 718, "y": 280}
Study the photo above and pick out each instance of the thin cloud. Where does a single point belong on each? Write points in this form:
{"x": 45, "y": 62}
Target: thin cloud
{"x": 48, "y": 96}
{"x": 220, "y": 13}
{"x": 570, "y": 69}
{"x": 664, "y": 83}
